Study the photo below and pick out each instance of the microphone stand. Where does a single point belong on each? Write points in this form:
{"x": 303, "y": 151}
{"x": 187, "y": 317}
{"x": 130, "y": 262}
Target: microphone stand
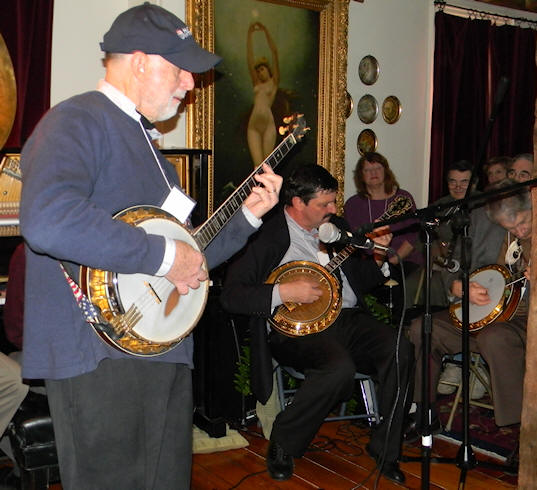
{"x": 426, "y": 331}
{"x": 465, "y": 458}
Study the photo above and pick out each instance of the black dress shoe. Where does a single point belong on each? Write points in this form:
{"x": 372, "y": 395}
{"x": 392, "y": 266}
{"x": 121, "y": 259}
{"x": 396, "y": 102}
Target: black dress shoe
{"x": 412, "y": 432}
{"x": 279, "y": 463}
{"x": 390, "y": 469}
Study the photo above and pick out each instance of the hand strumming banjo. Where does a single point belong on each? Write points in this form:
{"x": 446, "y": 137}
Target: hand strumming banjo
{"x": 299, "y": 319}
{"x": 504, "y": 291}
{"x": 145, "y": 315}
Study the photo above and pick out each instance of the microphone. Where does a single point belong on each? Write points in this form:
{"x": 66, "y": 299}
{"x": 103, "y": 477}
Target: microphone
{"x": 330, "y": 233}
{"x": 451, "y": 265}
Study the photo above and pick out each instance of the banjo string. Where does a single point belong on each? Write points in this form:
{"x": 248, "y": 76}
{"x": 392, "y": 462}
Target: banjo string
{"x": 515, "y": 281}
{"x": 146, "y": 300}
{"x": 161, "y": 286}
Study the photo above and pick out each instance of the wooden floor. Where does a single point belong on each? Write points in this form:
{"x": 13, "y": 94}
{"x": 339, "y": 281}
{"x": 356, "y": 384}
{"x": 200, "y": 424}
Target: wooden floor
{"x": 337, "y": 460}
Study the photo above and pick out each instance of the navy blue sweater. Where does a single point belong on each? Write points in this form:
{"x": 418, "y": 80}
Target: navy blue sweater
{"x": 85, "y": 161}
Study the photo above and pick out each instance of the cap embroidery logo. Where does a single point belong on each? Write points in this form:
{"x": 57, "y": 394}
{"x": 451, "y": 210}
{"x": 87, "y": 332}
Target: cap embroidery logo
{"x": 184, "y": 32}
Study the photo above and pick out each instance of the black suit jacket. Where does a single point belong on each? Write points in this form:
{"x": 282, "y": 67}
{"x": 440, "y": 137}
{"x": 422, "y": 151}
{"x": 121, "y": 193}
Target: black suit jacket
{"x": 246, "y": 293}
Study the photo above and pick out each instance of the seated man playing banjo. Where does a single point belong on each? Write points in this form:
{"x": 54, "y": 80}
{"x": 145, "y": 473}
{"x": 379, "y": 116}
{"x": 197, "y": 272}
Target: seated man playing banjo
{"x": 499, "y": 336}
{"x": 329, "y": 357}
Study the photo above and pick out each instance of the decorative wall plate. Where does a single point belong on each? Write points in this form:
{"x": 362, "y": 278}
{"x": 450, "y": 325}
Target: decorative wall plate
{"x": 368, "y": 109}
{"x": 367, "y": 141}
{"x": 8, "y": 93}
{"x": 349, "y": 104}
{"x": 368, "y": 69}
{"x": 391, "y": 109}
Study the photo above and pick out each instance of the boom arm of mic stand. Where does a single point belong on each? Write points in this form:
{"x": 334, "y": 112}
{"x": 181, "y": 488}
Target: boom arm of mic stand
{"x": 432, "y": 212}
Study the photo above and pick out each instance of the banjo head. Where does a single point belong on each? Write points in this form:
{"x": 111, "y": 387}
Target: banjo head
{"x": 166, "y": 317}
{"x": 493, "y": 277}
{"x": 298, "y": 319}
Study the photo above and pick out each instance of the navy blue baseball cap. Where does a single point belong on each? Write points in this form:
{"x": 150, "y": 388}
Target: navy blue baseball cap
{"x": 154, "y": 30}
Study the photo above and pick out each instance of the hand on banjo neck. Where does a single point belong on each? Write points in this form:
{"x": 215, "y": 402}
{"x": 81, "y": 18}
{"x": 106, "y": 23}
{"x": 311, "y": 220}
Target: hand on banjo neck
{"x": 187, "y": 270}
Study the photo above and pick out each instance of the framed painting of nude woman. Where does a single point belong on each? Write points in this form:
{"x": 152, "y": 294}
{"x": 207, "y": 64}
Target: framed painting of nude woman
{"x": 279, "y": 57}
{"x": 529, "y": 5}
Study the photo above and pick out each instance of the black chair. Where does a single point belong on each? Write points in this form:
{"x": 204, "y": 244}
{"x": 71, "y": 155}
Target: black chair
{"x": 367, "y": 388}
{"x": 32, "y": 440}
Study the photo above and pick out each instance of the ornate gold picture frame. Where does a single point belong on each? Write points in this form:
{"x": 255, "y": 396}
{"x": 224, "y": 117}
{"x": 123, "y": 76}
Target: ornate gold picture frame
{"x": 329, "y": 139}
{"x": 180, "y": 162}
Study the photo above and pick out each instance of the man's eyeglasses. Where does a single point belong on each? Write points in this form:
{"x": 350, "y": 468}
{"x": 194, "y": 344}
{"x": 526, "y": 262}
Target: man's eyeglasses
{"x": 458, "y": 183}
{"x": 522, "y": 175}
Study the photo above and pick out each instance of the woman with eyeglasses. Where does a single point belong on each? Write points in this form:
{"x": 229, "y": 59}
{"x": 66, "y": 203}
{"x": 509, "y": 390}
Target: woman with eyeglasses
{"x": 376, "y": 188}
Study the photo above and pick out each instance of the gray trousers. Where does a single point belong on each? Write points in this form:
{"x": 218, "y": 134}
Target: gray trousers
{"x": 12, "y": 390}
{"x": 502, "y": 345}
{"x": 126, "y": 425}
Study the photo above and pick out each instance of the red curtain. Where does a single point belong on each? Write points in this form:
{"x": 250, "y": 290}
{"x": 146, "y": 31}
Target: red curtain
{"x": 26, "y": 26}
{"x": 513, "y": 56}
{"x": 470, "y": 58}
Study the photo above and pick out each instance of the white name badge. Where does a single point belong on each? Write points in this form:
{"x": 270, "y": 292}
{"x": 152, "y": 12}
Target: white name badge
{"x": 179, "y": 204}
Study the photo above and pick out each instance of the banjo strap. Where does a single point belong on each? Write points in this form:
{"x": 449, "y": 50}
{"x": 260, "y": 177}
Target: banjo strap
{"x": 89, "y": 311}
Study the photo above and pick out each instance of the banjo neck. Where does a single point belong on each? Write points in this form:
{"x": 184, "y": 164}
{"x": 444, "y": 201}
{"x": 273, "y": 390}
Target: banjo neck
{"x": 298, "y": 319}
{"x": 206, "y": 232}
{"x": 341, "y": 257}
{"x": 398, "y": 206}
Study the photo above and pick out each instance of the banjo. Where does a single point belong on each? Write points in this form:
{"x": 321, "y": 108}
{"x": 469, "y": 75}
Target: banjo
{"x": 299, "y": 319}
{"x": 144, "y": 315}
{"x": 504, "y": 291}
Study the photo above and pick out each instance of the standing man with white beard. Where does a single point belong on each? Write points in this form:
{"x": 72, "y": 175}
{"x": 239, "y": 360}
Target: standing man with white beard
{"x": 120, "y": 421}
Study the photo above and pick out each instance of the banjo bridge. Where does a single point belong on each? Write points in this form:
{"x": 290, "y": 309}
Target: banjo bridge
{"x": 152, "y": 292}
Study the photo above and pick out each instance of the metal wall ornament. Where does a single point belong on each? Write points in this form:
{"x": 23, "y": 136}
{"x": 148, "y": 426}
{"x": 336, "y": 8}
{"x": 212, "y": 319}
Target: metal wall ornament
{"x": 367, "y": 141}
{"x": 368, "y": 109}
{"x": 391, "y": 109}
{"x": 349, "y": 104}
{"x": 368, "y": 69}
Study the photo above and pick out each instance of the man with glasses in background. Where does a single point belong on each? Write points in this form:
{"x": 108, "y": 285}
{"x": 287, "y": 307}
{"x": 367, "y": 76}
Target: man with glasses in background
{"x": 458, "y": 178}
{"x": 521, "y": 169}
{"x": 446, "y": 255}
{"x": 459, "y": 175}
